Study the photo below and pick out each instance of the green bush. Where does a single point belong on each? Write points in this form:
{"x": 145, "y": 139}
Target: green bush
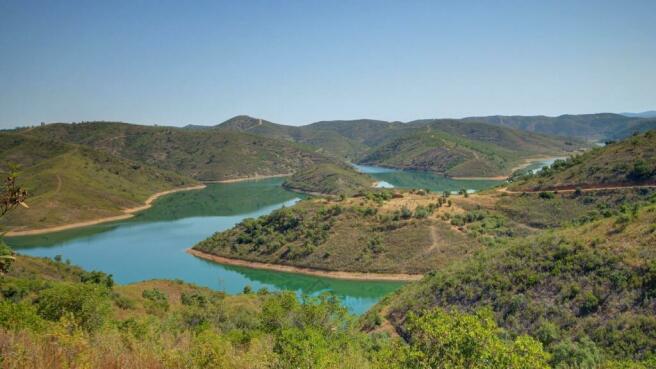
{"x": 157, "y": 301}
{"x": 88, "y": 304}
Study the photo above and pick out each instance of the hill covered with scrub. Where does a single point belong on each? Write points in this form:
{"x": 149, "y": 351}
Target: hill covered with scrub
{"x": 447, "y": 146}
{"x": 203, "y": 155}
{"x": 631, "y": 161}
{"x": 380, "y": 231}
{"x": 70, "y": 183}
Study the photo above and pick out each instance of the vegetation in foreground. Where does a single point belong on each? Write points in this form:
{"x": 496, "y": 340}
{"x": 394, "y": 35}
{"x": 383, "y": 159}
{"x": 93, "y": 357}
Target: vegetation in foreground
{"x": 54, "y": 315}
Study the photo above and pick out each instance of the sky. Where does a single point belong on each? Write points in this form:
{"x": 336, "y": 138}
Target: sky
{"x": 296, "y": 62}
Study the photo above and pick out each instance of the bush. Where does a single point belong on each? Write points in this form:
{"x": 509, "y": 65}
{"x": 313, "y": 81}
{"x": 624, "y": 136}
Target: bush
{"x": 441, "y": 339}
{"x": 88, "y": 304}
{"x": 157, "y": 301}
{"x": 640, "y": 171}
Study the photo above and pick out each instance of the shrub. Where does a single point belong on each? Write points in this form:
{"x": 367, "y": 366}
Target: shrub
{"x": 421, "y": 212}
{"x": 640, "y": 171}
{"x": 88, "y": 304}
{"x": 157, "y": 301}
{"x": 441, "y": 339}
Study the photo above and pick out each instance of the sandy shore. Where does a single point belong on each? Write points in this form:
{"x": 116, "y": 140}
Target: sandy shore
{"x": 307, "y": 271}
{"x": 127, "y": 213}
{"x": 251, "y": 178}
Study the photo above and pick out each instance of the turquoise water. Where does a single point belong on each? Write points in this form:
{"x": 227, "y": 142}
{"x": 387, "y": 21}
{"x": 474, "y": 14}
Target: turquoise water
{"x": 416, "y": 179}
{"x": 152, "y": 244}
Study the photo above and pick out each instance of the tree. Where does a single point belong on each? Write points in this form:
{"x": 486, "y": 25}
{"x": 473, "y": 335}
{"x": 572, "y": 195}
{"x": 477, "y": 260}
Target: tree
{"x": 12, "y": 196}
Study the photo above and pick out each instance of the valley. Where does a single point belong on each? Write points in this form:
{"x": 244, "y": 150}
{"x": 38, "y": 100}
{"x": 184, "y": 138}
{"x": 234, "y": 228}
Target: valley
{"x": 389, "y": 242}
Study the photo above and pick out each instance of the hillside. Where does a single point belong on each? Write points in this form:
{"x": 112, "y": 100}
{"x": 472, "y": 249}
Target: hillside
{"x": 435, "y": 145}
{"x": 328, "y": 140}
{"x": 381, "y": 232}
{"x": 587, "y": 291}
{"x": 69, "y": 183}
{"x": 628, "y": 162}
{"x": 592, "y": 127}
{"x": 206, "y": 155}
{"x": 330, "y": 179}
{"x": 456, "y": 149}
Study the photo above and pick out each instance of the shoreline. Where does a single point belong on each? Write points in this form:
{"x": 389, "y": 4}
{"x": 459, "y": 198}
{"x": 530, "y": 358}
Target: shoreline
{"x": 527, "y": 162}
{"x": 127, "y": 214}
{"x": 251, "y": 178}
{"x": 354, "y": 276}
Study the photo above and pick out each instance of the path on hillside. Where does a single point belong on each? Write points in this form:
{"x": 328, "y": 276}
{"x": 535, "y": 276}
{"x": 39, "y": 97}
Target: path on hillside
{"x": 59, "y": 184}
{"x": 582, "y": 189}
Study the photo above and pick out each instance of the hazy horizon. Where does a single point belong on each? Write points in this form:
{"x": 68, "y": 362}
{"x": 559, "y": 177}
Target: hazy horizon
{"x": 294, "y": 63}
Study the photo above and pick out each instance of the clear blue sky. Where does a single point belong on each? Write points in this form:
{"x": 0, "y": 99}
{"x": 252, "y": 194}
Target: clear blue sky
{"x": 179, "y": 62}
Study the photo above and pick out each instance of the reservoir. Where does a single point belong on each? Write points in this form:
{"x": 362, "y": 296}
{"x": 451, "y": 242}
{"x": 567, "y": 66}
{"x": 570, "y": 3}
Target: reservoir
{"x": 152, "y": 245}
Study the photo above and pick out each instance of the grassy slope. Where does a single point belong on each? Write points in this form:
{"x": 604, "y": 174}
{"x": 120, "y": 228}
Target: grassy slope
{"x": 357, "y": 234}
{"x": 202, "y": 154}
{"x": 69, "y": 183}
{"x": 329, "y": 178}
{"x": 613, "y": 164}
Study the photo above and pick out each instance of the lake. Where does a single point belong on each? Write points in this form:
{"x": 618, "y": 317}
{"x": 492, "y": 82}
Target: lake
{"x": 388, "y": 178}
{"x": 152, "y": 244}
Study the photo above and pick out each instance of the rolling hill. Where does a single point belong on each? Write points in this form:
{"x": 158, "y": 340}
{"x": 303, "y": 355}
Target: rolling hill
{"x": 71, "y": 183}
{"x": 456, "y": 149}
{"x": 329, "y": 179}
{"x": 206, "y": 155}
{"x": 409, "y": 232}
{"x": 438, "y": 145}
{"x": 631, "y": 161}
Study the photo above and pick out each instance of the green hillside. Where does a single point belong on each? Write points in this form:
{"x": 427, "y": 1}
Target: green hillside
{"x": 628, "y": 162}
{"x": 457, "y": 149}
{"x": 586, "y": 292}
{"x": 380, "y": 231}
{"x": 330, "y": 179}
{"x": 592, "y": 127}
{"x": 71, "y": 183}
{"x": 206, "y": 155}
{"x": 327, "y": 140}
{"x": 488, "y": 149}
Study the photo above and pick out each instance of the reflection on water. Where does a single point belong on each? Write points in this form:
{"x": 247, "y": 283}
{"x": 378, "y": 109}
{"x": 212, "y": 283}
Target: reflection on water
{"x": 151, "y": 245}
{"x": 426, "y": 180}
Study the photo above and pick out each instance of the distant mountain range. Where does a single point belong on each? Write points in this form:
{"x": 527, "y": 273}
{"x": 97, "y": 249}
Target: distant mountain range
{"x": 447, "y": 146}
{"x": 644, "y": 114}
{"x": 589, "y": 127}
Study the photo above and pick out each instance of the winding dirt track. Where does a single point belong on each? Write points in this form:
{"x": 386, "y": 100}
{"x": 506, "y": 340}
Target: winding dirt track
{"x": 583, "y": 188}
